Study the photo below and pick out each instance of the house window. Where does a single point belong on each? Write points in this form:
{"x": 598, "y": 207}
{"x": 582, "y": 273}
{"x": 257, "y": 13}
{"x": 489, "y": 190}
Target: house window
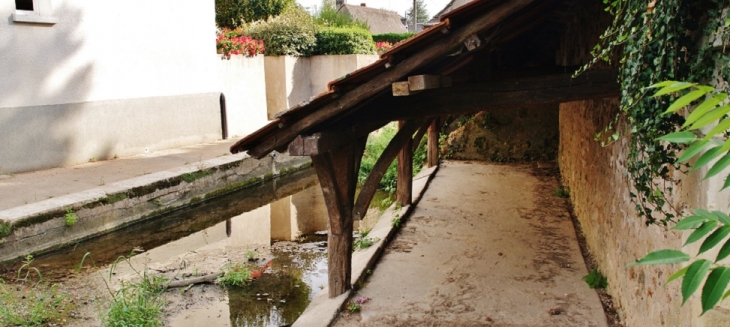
{"x": 24, "y": 5}
{"x": 34, "y": 12}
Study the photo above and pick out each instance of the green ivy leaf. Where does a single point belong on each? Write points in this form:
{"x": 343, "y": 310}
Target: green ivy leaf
{"x": 701, "y": 231}
{"x": 677, "y": 274}
{"x": 719, "y": 166}
{"x": 693, "y": 150}
{"x": 714, "y": 239}
{"x": 662, "y": 257}
{"x": 706, "y": 157}
{"x": 702, "y": 109}
{"x": 695, "y": 274}
{"x": 690, "y": 222}
{"x": 685, "y": 100}
{"x": 714, "y": 287}
{"x": 679, "y": 137}
{"x": 673, "y": 88}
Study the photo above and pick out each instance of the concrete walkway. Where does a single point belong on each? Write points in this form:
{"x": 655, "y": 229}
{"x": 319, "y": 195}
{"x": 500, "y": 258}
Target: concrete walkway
{"x": 488, "y": 245}
{"x": 20, "y": 189}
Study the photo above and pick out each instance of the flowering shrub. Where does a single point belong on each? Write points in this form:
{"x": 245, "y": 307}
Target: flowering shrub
{"x": 383, "y": 46}
{"x": 233, "y": 42}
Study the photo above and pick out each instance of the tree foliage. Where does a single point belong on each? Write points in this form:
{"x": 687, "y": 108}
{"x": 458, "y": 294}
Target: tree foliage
{"x": 421, "y": 12}
{"x": 234, "y": 13}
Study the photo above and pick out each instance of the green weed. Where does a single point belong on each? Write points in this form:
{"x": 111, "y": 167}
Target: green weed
{"x": 31, "y": 305}
{"x": 136, "y": 303}
{"x": 595, "y": 279}
{"x": 363, "y": 242}
{"x": 562, "y": 192}
{"x": 70, "y": 217}
{"x": 235, "y": 274}
{"x": 5, "y": 229}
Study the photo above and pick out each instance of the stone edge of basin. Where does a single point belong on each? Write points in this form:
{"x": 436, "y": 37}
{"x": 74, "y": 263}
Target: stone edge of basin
{"x": 323, "y": 311}
{"x": 41, "y": 226}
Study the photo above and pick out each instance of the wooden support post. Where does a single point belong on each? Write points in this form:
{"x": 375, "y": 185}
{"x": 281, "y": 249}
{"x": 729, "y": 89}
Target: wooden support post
{"x": 433, "y": 144}
{"x": 337, "y": 172}
{"x": 404, "y": 183}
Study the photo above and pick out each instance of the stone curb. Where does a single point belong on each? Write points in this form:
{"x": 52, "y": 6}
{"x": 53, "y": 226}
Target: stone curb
{"x": 41, "y": 226}
{"x": 323, "y": 311}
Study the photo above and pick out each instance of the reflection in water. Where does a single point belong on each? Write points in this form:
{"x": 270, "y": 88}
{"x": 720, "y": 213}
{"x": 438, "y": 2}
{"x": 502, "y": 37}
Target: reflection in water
{"x": 282, "y": 293}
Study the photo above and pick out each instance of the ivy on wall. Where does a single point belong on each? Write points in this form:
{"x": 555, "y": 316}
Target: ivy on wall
{"x": 654, "y": 41}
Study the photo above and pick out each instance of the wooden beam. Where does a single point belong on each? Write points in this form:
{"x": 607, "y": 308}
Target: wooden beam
{"x": 368, "y": 189}
{"x": 328, "y": 140}
{"x": 404, "y": 181}
{"x": 434, "y": 50}
{"x": 419, "y": 135}
{"x": 420, "y": 83}
{"x": 492, "y": 95}
{"x": 337, "y": 173}
{"x": 432, "y": 156}
{"x": 401, "y": 89}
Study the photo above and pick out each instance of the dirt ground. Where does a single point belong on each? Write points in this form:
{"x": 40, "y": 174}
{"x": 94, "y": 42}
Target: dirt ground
{"x": 489, "y": 245}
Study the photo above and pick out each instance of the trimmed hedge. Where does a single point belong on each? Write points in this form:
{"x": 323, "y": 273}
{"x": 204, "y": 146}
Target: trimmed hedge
{"x": 392, "y": 37}
{"x": 291, "y": 34}
{"x": 343, "y": 40}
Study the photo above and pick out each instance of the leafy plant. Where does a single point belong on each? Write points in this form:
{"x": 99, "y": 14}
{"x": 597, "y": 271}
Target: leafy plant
{"x": 5, "y": 229}
{"x": 135, "y": 303}
{"x": 595, "y": 279}
{"x": 562, "y": 192}
{"x": 290, "y": 34}
{"x": 392, "y": 38}
{"x": 353, "y": 307}
{"x": 28, "y": 267}
{"x": 363, "y": 242}
{"x": 343, "y": 40}
{"x": 712, "y": 226}
{"x": 396, "y": 221}
{"x": 39, "y": 305}
{"x": 234, "y": 42}
{"x": 383, "y": 46}
{"x": 70, "y": 217}
{"x": 235, "y": 13}
{"x": 235, "y": 274}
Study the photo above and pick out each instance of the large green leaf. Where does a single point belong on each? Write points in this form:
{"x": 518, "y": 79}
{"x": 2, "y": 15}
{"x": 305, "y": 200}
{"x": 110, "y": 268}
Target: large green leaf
{"x": 673, "y": 88}
{"x": 726, "y": 184}
{"x": 693, "y": 278}
{"x": 701, "y": 231}
{"x": 703, "y": 108}
{"x": 706, "y": 214}
{"x": 706, "y": 157}
{"x": 690, "y": 222}
{"x": 711, "y": 117}
{"x": 719, "y": 128}
{"x": 722, "y": 217}
{"x": 714, "y": 287}
{"x": 679, "y": 137}
{"x": 714, "y": 239}
{"x": 677, "y": 274}
{"x": 724, "y": 251}
{"x": 693, "y": 150}
{"x": 719, "y": 166}
{"x": 685, "y": 100}
{"x": 662, "y": 257}
{"x": 662, "y": 84}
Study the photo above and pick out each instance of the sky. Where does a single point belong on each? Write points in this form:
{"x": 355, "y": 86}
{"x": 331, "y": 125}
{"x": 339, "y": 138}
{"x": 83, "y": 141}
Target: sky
{"x": 399, "y": 6}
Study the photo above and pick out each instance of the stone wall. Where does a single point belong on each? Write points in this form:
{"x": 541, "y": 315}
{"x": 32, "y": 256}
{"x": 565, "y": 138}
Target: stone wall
{"x": 520, "y": 134}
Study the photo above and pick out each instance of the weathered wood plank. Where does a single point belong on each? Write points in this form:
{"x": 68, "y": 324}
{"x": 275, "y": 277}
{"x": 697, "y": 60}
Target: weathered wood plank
{"x": 337, "y": 173}
{"x": 419, "y": 135}
{"x": 368, "y": 189}
{"x": 404, "y": 182}
{"x": 401, "y": 89}
{"x": 435, "y": 50}
{"x": 329, "y": 140}
{"x": 432, "y": 156}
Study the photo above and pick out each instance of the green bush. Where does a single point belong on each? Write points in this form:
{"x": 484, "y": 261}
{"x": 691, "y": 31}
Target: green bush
{"x": 391, "y": 37}
{"x": 343, "y": 40}
{"x": 374, "y": 148}
{"x": 233, "y": 13}
{"x": 290, "y": 34}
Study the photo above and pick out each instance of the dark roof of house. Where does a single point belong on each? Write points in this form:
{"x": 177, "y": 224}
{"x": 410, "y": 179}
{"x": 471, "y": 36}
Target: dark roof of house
{"x": 357, "y": 97}
{"x": 380, "y": 20}
{"x": 453, "y": 4}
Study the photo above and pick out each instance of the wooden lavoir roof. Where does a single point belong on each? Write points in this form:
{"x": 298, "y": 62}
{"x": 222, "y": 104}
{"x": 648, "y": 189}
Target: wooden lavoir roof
{"x": 362, "y": 101}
